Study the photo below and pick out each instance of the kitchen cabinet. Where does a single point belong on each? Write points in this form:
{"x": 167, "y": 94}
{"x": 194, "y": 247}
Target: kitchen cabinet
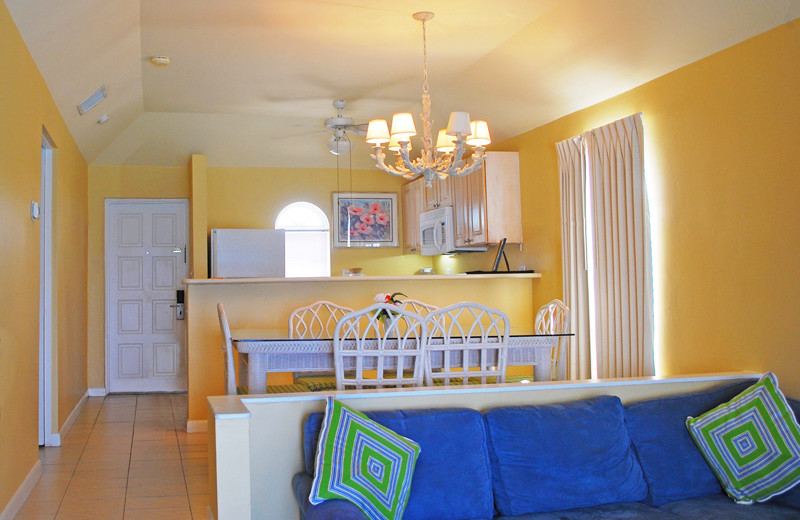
{"x": 487, "y": 202}
{"x": 412, "y": 203}
{"x": 439, "y": 195}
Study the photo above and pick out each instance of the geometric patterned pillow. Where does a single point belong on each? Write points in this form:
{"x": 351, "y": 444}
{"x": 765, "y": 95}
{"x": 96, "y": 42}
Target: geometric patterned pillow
{"x": 363, "y": 462}
{"x": 752, "y": 442}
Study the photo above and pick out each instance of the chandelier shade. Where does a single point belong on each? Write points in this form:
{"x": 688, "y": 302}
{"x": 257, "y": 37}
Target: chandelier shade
{"x": 444, "y": 159}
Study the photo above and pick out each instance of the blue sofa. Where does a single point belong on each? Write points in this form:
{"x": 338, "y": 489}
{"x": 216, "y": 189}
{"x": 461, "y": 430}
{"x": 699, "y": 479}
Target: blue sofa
{"x": 590, "y": 459}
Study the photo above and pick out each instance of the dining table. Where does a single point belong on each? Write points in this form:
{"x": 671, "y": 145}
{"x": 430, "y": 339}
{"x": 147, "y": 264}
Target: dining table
{"x": 265, "y": 351}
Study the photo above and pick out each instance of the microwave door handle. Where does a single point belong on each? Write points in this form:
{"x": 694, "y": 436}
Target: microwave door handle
{"x": 437, "y": 239}
{"x": 441, "y": 244}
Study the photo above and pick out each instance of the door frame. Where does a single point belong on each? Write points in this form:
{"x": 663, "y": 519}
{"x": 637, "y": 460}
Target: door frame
{"x": 106, "y": 259}
{"x": 47, "y": 436}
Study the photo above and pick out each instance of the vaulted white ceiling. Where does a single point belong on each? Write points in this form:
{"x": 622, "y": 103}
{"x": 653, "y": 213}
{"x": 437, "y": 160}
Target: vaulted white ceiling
{"x": 250, "y": 81}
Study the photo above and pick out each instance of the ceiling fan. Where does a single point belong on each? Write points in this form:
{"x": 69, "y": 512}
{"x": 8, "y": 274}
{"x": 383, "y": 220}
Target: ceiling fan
{"x": 339, "y": 143}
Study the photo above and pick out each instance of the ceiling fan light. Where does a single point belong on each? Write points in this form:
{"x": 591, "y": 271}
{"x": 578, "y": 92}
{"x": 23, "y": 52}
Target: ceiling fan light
{"x": 403, "y": 126}
{"x": 479, "y": 134}
{"x": 378, "y": 132}
{"x": 445, "y": 143}
{"x": 339, "y": 146}
{"x": 458, "y": 124}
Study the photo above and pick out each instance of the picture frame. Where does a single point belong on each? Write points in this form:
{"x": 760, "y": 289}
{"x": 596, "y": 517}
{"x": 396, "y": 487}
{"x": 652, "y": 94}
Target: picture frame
{"x": 365, "y": 219}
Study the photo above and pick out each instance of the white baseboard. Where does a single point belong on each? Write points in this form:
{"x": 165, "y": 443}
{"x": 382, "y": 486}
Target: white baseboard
{"x": 18, "y": 500}
{"x": 196, "y": 426}
{"x": 97, "y": 392}
{"x": 54, "y": 439}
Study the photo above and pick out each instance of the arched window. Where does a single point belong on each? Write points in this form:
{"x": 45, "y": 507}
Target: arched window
{"x": 308, "y": 245}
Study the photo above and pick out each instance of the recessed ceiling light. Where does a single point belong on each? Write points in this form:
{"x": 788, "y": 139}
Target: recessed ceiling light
{"x": 103, "y": 119}
{"x": 161, "y": 61}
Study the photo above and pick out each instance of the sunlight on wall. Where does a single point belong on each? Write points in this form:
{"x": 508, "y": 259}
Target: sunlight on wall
{"x": 655, "y": 202}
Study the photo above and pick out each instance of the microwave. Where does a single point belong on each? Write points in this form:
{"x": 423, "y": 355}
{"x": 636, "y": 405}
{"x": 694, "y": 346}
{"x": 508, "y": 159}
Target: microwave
{"x": 437, "y": 231}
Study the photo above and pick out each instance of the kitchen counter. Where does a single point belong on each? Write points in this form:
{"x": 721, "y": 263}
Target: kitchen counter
{"x": 366, "y": 278}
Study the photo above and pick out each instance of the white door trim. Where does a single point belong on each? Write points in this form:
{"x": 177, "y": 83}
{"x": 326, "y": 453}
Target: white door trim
{"x": 107, "y": 240}
{"x": 48, "y": 435}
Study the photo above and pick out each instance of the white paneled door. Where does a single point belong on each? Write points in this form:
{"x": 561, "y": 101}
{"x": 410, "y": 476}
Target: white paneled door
{"x": 145, "y": 266}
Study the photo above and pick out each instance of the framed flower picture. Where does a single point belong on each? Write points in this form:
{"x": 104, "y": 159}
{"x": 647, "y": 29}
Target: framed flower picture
{"x": 365, "y": 219}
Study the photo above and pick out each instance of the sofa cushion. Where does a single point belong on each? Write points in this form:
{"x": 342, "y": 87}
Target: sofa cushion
{"x": 792, "y": 497}
{"x": 363, "y": 462}
{"x": 719, "y": 506}
{"x": 619, "y": 511}
{"x": 751, "y": 442}
{"x": 672, "y": 465}
{"x": 454, "y": 449}
{"x": 562, "y": 456}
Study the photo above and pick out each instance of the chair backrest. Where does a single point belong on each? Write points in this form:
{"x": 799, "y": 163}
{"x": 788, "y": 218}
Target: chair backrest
{"x": 418, "y": 307}
{"x": 227, "y": 351}
{"x": 468, "y": 341}
{"x": 316, "y": 320}
{"x": 374, "y": 352}
{"x": 553, "y": 318}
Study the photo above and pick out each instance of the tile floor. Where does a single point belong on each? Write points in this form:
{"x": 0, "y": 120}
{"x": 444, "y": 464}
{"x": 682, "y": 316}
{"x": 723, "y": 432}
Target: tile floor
{"x": 126, "y": 457}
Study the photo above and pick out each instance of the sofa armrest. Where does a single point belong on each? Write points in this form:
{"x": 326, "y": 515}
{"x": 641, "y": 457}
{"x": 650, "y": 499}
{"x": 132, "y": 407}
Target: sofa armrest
{"x": 328, "y": 510}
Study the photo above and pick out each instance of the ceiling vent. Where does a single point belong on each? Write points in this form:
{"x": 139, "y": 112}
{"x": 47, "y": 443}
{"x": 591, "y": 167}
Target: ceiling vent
{"x": 90, "y": 102}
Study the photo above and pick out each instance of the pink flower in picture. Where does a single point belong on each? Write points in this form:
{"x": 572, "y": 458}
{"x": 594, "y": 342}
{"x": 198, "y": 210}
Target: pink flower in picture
{"x": 382, "y": 219}
{"x": 368, "y": 219}
{"x": 355, "y": 210}
{"x": 375, "y": 208}
{"x": 363, "y": 228}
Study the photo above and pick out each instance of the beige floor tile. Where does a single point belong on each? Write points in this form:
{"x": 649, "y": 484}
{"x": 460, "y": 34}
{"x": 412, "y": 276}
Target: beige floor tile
{"x": 43, "y": 507}
{"x": 162, "y": 470}
{"x": 155, "y": 487}
{"x": 85, "y": 466}
{"x": 57, "y": 472}
{"x": 199, "y": 505}
{"x": 178, "y": 501}
{"x": 110, "y": 506}
{"x": 154, "y": 453}
{"x": 35, "y": 516}
{"x": 97, "y": 491}
{"x": 89, "y": 515}
{"x": 197, "y": 484}
{"x": 49, "y": 490}
{"x": 114, "y": 472}
{"x": 173, "y": 513}
{"x": 195, "y": 467}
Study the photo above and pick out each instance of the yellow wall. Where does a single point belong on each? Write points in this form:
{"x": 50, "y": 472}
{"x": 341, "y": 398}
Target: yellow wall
{"x": 253, "y": 197}
{"x": 111, "y": 182}
{"x": 27, "y": 108}
{"x": 723, "y": 170}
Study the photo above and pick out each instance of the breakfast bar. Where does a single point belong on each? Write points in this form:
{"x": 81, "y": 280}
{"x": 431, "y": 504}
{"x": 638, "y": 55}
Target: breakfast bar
{"x": 265, "y": 303}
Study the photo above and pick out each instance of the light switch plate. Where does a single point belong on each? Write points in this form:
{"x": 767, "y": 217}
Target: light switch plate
{"x": 34, "y": 210}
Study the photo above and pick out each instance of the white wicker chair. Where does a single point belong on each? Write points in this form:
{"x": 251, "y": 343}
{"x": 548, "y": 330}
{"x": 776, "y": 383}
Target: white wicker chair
{"x": 227, "y": 352}
{"x": 469, "y": 341}
{"x": 417, "y": 307}
{"x": 316, "y": 320}
{"x": 361, "y": 343}
{"x": 553, "y": 318}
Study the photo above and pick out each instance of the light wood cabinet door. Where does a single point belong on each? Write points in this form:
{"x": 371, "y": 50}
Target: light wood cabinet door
{"x": 439, "y": 195}
{"x": 469, "y": 194}
{"x": 411, "y": 195}
{"x": 487, "y": 202}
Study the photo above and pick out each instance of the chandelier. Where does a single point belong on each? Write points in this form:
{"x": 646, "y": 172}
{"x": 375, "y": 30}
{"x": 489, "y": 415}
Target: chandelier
{"x": 447, "y": 158}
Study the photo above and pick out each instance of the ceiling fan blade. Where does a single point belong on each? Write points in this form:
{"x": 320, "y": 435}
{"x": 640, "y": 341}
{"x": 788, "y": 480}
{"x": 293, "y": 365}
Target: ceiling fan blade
{"x": 302, "y": 134}
{"x": 357, "y": 129}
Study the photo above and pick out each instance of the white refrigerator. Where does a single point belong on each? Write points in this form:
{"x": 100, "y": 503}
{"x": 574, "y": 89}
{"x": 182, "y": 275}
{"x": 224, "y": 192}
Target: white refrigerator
{"x": 248, "y": 253}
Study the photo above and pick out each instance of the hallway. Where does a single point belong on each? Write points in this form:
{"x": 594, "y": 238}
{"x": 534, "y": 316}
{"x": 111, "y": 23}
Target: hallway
{"x": 127, "y": 457}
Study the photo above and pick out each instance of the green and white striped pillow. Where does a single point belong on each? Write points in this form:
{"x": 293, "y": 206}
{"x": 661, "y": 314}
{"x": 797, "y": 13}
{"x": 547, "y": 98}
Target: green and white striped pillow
{"x": 364, "y": 462}
{"x": 752, "y": 442}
